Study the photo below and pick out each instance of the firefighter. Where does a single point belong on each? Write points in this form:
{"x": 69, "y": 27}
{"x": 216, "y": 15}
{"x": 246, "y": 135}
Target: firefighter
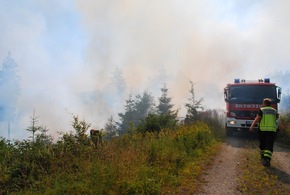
{"x": 266, "y": 118}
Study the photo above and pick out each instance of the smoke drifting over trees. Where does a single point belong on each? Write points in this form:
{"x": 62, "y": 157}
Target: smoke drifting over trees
{"x": 9, "y": 92}
{"x": 69, "y": 53}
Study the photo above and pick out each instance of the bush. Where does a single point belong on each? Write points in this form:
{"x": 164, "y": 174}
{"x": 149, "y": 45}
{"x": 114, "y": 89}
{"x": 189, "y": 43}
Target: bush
{"x": 140, "y": 163}
{"x": 154, "y": 123}
{"x": 284, "y": 129}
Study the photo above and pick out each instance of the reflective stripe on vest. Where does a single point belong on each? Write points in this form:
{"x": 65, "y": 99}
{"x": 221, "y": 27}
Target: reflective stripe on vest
{"x": 268, "y": 121}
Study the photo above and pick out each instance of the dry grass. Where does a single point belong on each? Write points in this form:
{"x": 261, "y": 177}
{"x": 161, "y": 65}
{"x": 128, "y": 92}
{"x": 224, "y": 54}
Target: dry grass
{"x": 169, "y": 162}
{"x": 257, "y": 179}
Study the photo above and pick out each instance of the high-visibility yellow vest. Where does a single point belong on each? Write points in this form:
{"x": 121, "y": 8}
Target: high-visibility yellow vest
{"x": 268, "y": 121}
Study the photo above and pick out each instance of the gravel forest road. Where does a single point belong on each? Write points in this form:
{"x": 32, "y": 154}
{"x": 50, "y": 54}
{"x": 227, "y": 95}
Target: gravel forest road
{"x": 221, "y": 178}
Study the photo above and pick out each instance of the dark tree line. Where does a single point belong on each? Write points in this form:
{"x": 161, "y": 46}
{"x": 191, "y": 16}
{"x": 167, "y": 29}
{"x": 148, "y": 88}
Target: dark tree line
{"x": 136, "y": 109}
{"x": 142, "y": 113}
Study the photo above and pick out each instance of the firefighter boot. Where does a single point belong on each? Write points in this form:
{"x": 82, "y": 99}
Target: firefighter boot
{"x": 266, "y": 162}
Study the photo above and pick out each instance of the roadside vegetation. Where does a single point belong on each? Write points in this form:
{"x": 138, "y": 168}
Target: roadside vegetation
{"x": 168, "y": 161}
{"x": 148, "y": 151}
{"x": 153, "y": 161}
{"x": 257, "y": 179}
{"x": 284, "y": 123}
{"x": 284, "y": 130}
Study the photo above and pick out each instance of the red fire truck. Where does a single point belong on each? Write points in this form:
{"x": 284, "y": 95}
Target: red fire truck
{"x": 244, "y": 98}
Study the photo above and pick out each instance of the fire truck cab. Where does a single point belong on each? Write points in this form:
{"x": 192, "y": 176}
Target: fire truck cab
{"x": 244, "y": 98}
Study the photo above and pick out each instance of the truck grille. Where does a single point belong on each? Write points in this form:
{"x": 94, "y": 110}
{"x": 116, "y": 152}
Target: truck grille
{"x": 244, "y": 114}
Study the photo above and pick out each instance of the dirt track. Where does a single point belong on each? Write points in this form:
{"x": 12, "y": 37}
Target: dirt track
{"x": 221, "y": 177}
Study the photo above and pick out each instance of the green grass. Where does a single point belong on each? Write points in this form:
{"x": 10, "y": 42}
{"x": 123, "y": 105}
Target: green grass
{"x": 283, "y": 137}
{"x": 257, "y": 179}
{"x": 171, "y": 161}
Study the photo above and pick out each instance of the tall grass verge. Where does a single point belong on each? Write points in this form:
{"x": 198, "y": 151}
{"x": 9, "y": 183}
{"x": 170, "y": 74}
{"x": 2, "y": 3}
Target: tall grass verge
{"x": 170, "y": 161}
{"x": 257, "y": 179}
{"x": 284, "y": 131}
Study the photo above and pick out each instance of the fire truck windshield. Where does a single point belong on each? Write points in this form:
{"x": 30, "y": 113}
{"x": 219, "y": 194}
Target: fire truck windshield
{"x": 252, "y": 93}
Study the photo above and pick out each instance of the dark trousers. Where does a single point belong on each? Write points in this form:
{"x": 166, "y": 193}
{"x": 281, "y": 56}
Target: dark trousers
{"x": 267, "y": 139}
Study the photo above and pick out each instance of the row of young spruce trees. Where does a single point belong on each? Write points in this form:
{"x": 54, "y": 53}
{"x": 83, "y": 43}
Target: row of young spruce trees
{"x": 141, "y": 115}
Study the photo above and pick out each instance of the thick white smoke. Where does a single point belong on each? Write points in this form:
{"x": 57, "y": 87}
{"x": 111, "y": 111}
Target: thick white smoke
{"x": 207, "y": 42}
{"x": 67, "y": 52}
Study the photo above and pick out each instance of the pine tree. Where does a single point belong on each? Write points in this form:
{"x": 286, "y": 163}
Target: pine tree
{"x": 10, "y": 90}
{"x": 118, "y": 82}
{"x": 110, "y": 128}
{"x": 165, "y": 117}
{"x": 144, "y": 105}
{"x": 9, "y": 84}
{"x": 34, "y": 128}
{"x": 127, "y": 118}
{"x": 115, "y": 90}
{"x": 192, "y": 106}
{"x": 43, "y": 138}
{"x": 81, "y": 127}
{"x": 165, "y": 107}
{"x": 135, "y": 110}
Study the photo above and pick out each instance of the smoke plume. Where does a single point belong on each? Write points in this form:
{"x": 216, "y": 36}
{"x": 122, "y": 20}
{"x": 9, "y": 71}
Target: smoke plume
{"x": 68, "y": 52}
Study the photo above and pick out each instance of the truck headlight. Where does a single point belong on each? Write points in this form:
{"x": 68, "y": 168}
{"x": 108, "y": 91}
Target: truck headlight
{"x": 232, "y": 122}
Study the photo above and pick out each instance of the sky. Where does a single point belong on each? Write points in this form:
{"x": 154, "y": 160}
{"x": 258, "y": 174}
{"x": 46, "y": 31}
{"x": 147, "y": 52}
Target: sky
{"x": 68, "y": 51}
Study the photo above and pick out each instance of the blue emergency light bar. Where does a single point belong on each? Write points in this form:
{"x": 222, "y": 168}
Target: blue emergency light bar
{"x": 266, "y": 80}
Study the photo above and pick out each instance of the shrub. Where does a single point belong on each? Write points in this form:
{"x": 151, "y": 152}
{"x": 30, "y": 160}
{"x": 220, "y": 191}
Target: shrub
{"x": 154, "y": 123}
{"x": 139, "y": 163}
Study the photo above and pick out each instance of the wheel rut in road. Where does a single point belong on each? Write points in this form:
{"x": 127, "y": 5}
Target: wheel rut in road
{"x": 222, "y": 176}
